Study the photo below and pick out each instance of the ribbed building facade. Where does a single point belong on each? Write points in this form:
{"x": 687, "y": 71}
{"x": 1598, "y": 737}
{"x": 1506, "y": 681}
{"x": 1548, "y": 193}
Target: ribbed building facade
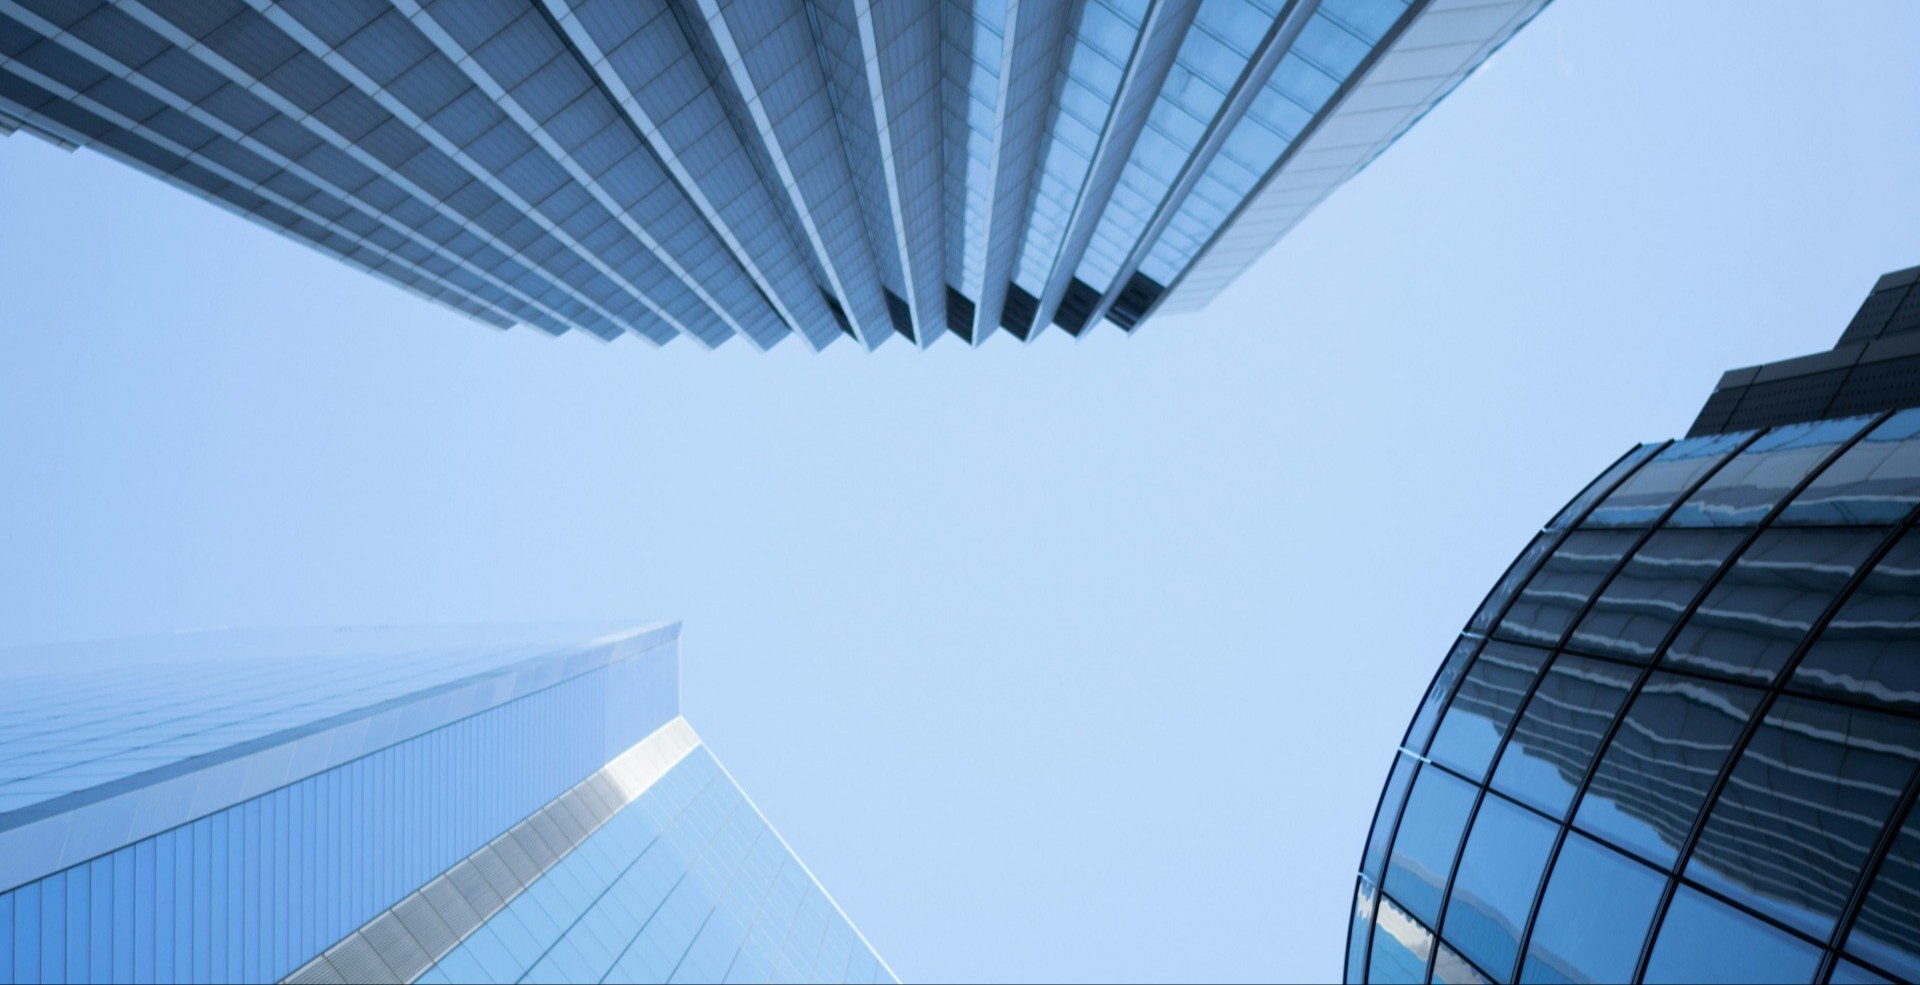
{"x": 762, "y": 168}
{"x": 1680, "y": 739}
{"x": 486, "y": 805}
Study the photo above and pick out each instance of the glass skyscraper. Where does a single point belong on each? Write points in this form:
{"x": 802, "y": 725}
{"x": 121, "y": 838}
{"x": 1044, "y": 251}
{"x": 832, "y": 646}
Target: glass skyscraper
{"x": 475, "y": 805}
{"x": 1680, "y": 740}
{"x": 764, "y": 168}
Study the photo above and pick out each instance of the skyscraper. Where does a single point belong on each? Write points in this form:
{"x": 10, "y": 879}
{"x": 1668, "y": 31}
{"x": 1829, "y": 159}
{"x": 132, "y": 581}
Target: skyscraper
{"x": 762, "y": 168}
{"x": 1680, "y": 740}
{"x": 387, "y": 806}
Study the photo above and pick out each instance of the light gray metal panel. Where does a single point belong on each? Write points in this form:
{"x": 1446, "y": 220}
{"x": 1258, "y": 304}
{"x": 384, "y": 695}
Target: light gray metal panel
{"x": 1410, "y": 73}
{"x": 1272, "y": 48}
{"x": 767, "y": 47}
{"x": 663, "y": 295}
{"x": 1036, "y": 32}
{"x": 699, "y": 142}
{"x": 1160, "y": 37}
{"x": 901, "y": 51}
{"x": 721, "y": 286}
{"x": 534, "y": 311}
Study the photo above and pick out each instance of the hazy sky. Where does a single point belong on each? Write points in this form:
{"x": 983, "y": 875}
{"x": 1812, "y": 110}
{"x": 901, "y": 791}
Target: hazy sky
{"x": 1071, "y": 660}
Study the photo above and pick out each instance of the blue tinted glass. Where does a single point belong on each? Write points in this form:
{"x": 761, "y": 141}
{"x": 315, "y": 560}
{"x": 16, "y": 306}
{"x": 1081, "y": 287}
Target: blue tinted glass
{"x": 1875, "y": 481}
{"x": 1753, "y": 620}
{"x": 1396, "y": 794}
{"x": 1648, "y": 493}
{"x": 1429, "y": 837}
{"x": 1594, "y": 916}
{"x": 1438, "y": 692}
{"x": 1499, "y": 874}
{"x": 1560, "y": 731}
{"x": 1804, "y": 806}
{"x": 1574, "y": 510}
{"x": 1449, "y": 968}
{"x": 1655, "y": 774}
{"x": 1401, "y": 946}
{"x": 1640, "y": 606}
{"x": 1887, "y": 931}
{"x": 1847, "y": 973}
{"x": 1562, "y": 586}
{"x": 1359, "y": 930}
{"x": 1746, "y": 490}
{"x": 1484, "y": 706}
{"x": 1870, "y": 651}
{"x": 1517, "y": 574}
{"x": 1704, "y": 940}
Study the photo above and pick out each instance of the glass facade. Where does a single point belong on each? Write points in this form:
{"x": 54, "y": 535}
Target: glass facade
{"x": 248, "y": 805}
{"x": 722, "y": 168}
{"x": 1680, "y": 741}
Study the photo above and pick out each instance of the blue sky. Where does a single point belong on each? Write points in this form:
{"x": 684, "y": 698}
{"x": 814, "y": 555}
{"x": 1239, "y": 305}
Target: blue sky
{"x": 1066, "y": 661}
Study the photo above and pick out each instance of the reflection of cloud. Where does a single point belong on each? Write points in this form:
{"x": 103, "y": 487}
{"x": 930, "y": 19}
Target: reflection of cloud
{"x": 1560, "y": 52}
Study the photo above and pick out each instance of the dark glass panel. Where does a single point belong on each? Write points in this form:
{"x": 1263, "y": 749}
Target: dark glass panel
{"x": 1803, "y": 808}
{"x": 1594, "y": 917}
{"x": 1847, "y": 973}
{"x": 1484, "y": 706}
{"x": 1887, "y": 931}
{"x": 1571, "y": 514}
{"x": 1429, "y": 838}
{"x": 1748, "y": 488}
{"x": 1401, "y": 945}
{"x": 1437, "y": 694}
{"x": 1705, "y": 940}
{"x": 1561, "y": 729}
{"x": 1753, "y": 620}
{"x": 1870, "y": 651}
{"x": 1654, "y": 776}
{"x": 1875, "y": 481}
{"x": 1390, "y": 802}
{"x": 1556, "y": 594}
{"x": 1648, "y": 493}
{"x": 1517, "y": 574}
{"x": 1639, "y": 608}
{"x": 1500, "y": 873}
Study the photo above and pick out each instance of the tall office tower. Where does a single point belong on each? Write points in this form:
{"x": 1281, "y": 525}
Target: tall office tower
{"x": 1680, "y": 740}
{"x": 762, "y": 168}
{"x": 387, "y": 806}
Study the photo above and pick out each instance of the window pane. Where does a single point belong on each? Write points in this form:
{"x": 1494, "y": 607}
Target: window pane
{"x": 1601, "y": 486}
{"x": 1442, "y": 688}
{"x": 1429, "y": 837}
{"x": 1594, "y": 917}
{"x": 1847, "y": 973}
{"x": 1517, "y": 574}
{"x": 1450, "y": 968}
{"x": 1745, "y": 491}
{"x": 1359, "y": 930}
{"x": 1871, "y": 650}
{"x": 1757, "y": 615}
{"x": 1390, "y": 801}
{"x": 1485, "y": 706}
{"x": 1499, "y": 875}
{"x": 1560, "y": 731}
{"x": 1555, "y": 596}
{"x": 1400, "y": 947}
{"x": 1875, "y": 481}
{"x": 1640, "y": 607}
{"x": 1649, "y": 492}
{"x": 1887, "y": 931}
{"x": 1705, "y": 940}
{"x": 1655, "y": 773}
{"x": 1805, "y": 804}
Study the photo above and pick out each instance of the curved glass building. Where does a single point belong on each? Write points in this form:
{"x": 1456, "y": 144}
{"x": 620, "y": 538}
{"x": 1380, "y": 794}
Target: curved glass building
{"x": 1680, "y": 740}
